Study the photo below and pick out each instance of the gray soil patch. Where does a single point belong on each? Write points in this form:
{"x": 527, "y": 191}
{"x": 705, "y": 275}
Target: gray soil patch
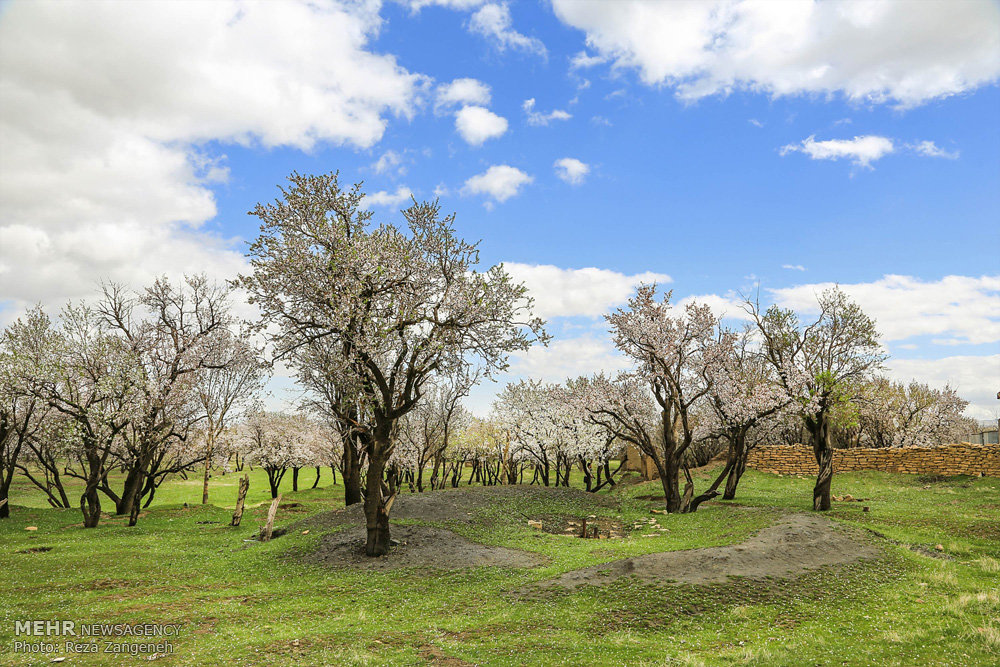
{"x": 419, "y": 546}
{"x": 796, "y": 544}
{"x": 453, "y": 504}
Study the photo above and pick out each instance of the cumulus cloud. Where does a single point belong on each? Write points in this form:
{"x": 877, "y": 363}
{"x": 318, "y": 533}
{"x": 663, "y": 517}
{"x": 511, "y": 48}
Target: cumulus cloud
{"x": 494, "y": 22}
{"x": 106, "y": 106}
{"x": 461, "y": 92}
{"x": 538, "y": 118}
{"x": 571, "y": 170}
{"x": 861, "y": 151}
{"x": 568, "y": 358}
{"x": 973, "y": 377}
{"x": 478, "y": 124}
{"x": 955, "y": 309}
{"x": 589, "y": 292}
{"x": 501, "y": 182}
{"x": 867, "y": 51}
{"x": 395, "y": 199}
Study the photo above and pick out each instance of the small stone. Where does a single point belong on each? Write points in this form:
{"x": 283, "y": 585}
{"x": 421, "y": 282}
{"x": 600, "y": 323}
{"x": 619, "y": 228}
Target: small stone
{"x": 393, "y": 542}
{"x": 305, "y": 532}
{"x": 31, "y": 528}
{"x": 535, "y": 524}
{"x": 939, "y": 547}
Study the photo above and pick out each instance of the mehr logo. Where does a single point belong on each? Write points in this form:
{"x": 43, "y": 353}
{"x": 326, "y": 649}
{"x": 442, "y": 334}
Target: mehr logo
{"x": 45, "y": 628}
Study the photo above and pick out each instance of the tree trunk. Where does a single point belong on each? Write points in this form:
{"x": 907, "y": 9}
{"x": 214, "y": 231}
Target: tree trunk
{"x": 208, "y": 466}
{"x": 376, "y": 504}
{"x": 90, "y": 505}
{"x": 295, "y": 479}
{"x": 819, "y": 428}
{"x": 5, "y": 483}
{"x": 133, "y": 480}
{"x": 133, "y": 515}
{"x": 268, "y": 528}
{"x": 352, "y": 473}
{"x": 241, "y": 496}
{"x": 737, "y": 463}
{"x": 669, "y": 477}
{"x": 316, "y": 483}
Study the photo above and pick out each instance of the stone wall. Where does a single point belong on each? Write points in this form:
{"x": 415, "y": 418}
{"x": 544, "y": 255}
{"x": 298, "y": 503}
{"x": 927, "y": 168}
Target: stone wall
{"x": 960, "y": 459}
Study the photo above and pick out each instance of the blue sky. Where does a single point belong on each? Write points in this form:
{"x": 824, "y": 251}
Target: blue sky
{"x": 790, "y": 145}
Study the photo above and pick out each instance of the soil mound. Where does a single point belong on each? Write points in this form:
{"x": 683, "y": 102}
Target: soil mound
{"x": 453, "y": 504}
{"x": 795, "y": 544}
{"x": 419, "y": 546}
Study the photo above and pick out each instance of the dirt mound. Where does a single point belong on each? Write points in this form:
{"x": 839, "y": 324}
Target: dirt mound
{"x": 419, "y": 546}
{"x": 453, "y": 504}
{"x": 797, "y": 543}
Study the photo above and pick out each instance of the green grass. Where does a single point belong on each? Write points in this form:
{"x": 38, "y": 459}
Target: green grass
{"x": 242, "y": 602}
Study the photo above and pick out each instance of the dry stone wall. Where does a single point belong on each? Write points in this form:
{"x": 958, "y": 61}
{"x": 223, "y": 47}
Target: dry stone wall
{"x": 959, "y": 459}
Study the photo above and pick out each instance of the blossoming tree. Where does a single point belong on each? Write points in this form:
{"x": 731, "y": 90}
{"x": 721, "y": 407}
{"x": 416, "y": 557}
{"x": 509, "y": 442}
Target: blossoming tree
{"x": 399, "y": 306}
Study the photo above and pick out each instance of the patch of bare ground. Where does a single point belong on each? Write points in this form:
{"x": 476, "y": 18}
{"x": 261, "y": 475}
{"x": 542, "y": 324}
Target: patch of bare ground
{"x": 453, "y": 504}
{"x": 435, "y": 656}
{"x": 795, "y": 544}
{"x": 418, "y": 546}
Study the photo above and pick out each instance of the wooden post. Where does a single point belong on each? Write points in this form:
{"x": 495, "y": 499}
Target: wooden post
{"x": 265, "y": 532}
{"x": 241, "y": 496}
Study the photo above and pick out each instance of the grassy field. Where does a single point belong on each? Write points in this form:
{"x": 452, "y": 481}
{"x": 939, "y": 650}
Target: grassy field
{"x": 243, "y": 602}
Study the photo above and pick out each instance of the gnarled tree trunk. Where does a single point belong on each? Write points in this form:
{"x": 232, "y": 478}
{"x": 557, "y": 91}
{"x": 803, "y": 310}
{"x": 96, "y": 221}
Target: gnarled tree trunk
{"x": 378, "y": 501}
{"x": 819, "y": 429}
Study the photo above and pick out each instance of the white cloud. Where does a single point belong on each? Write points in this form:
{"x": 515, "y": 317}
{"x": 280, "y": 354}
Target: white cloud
{"x": 389, "y": 161}
{"x": 793, "y": 267}
{"x": 501, "y": 182}
{"x": 462, "y": 92}
{"x": 975, "y": 378}
{"x": 417, "y": 5}
{"x": 909, "y": 52}
{"x": 571, "y": 170}
{"x": 568, "y": 358}
{"x": 541, "y": 119}
{"x": 861, "y": 151}
{"x": 728, "y": 307}
{"x": 583, "y": 60}
{"x": 392, "y": 199}
{"x": 493, "y": 21}
{"x": 589, "y": 292}
{"x": 477, "y": 124}
{"x": 105, "y": 106}
{"x": 930, "y": 149}
{"x": 961, "y": 309}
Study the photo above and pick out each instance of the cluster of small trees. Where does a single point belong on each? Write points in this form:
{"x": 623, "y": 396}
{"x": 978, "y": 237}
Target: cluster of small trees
{"x": 386, "y": 329}
{"x": 123, "y": 384}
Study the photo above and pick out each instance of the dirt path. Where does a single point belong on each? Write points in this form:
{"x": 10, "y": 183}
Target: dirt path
{"x": 419, "y": 546}
{"x": 795, "y": 544}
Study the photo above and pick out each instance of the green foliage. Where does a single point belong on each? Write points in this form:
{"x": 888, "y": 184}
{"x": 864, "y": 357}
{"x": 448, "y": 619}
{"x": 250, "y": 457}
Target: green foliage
{"x": 243, "y": 602}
